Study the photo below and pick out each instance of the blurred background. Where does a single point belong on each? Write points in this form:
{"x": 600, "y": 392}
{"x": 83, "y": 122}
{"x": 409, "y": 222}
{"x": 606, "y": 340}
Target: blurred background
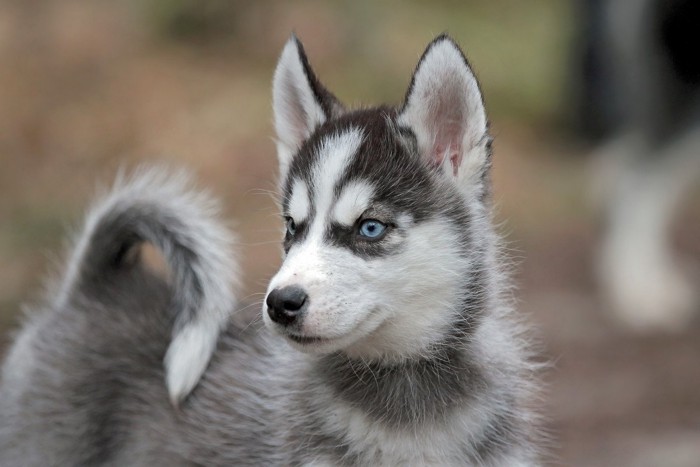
{"x": 87, "y": 87}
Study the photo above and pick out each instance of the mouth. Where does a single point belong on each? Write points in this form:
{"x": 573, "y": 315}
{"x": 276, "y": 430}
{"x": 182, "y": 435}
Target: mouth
{"x": 307, "y": 340}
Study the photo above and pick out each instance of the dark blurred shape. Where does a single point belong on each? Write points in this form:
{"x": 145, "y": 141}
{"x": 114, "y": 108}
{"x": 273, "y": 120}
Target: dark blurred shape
{"x": 680, "y": 36}
{"x": 636, "y": 64}
{"x": 596, "y": 109}
{"x": 195, "y": 21}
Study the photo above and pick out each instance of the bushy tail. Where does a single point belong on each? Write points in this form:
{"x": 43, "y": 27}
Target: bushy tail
{"x": 159, "y": 207}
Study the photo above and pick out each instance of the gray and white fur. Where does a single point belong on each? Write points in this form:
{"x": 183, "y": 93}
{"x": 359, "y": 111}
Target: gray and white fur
{"x": 389, "y": 336}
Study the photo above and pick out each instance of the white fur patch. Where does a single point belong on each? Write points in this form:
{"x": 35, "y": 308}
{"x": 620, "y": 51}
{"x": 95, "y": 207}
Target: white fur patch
{"x": 299, "y": 204}
{"x": 188, "y": 356}
{"x": 335, "y": 155}
{"x": 353, "y": 201}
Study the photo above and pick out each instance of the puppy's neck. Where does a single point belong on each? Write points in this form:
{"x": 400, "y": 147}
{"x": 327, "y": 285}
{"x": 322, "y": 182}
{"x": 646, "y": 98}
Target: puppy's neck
{"x": 403, "y": 393}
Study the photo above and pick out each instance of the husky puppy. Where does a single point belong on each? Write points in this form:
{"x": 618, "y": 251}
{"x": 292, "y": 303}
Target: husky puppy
{"x": 389, "y": 338}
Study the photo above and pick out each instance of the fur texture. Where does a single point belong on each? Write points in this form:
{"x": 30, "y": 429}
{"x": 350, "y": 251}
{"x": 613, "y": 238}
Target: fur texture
{"x": 399, "y": 345}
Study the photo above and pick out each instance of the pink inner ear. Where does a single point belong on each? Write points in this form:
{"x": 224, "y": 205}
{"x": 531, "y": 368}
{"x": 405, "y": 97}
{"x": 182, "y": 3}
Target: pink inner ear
{"x": 456, "y": 160}
{"x": 441, "y": 151}
{"x": 448, "y": 143}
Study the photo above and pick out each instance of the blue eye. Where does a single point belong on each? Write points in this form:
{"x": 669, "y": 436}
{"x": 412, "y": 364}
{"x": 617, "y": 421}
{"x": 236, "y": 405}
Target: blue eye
{"x": 372, "y": 229}
{"x": 291, "y": 226}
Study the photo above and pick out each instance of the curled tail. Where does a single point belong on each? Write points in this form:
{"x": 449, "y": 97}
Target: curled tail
{"x": 158, "y": 207}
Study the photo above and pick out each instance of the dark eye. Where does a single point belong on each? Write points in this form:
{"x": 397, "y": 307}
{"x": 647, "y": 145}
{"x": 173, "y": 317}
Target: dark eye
{"x": 372, "y": 229}
{"x": 291, "y": 226}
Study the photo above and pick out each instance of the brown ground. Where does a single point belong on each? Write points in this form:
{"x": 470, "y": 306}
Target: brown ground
{"x": 87, "y": 87}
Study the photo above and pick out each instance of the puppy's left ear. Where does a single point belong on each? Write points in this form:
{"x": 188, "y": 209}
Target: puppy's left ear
{"x": 300, "y": 102}
{"x": 445, "y": 110}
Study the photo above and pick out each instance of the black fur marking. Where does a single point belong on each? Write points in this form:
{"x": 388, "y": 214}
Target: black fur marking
{"x": 330, "y": 104}
{"x": 299, "y": 236}
{"x": 408, "y": 394}
{"x": 486, "y": 170}
{"x": 347, "y": 237}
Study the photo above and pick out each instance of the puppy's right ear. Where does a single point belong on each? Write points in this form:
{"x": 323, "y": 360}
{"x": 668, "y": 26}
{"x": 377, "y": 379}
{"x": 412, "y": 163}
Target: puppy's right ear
{"x": 300, "y": 102}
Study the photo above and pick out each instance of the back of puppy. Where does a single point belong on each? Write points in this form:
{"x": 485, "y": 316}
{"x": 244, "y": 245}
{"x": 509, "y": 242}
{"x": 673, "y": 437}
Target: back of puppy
{"x": 114, "y": 342}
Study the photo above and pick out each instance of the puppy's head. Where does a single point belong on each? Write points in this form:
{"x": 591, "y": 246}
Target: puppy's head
{"x": 381, "y": 206}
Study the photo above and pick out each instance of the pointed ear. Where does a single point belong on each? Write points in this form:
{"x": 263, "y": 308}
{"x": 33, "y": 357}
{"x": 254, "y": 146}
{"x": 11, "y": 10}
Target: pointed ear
{"x": 300, "y": 102}
{"x": 445, "y": 110}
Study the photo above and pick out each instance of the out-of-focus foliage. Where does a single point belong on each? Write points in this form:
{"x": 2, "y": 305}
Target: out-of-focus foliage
{"x": 203, "y": 21}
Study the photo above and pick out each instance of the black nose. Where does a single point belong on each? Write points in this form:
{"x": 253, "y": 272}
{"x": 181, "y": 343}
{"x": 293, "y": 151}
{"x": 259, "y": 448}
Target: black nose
{"x": 285, "y": 304}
